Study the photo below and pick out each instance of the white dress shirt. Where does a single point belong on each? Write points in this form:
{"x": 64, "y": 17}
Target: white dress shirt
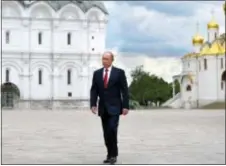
{"x": 109, "y": 72}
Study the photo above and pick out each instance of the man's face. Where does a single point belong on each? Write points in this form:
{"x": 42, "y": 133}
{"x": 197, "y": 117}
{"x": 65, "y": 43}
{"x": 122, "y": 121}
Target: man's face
{"x": 107, "y": 59}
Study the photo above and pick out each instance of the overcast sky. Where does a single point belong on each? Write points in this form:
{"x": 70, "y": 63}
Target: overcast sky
{"x": 156, "y": 34}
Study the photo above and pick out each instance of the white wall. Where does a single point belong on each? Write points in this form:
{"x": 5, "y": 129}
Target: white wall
{"x": 208, "y": 79}
{"x": 208, "y": 88}
{"x": 24, "y": 56}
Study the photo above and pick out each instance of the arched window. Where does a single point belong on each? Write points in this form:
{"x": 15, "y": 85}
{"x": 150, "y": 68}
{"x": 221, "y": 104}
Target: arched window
{"x": 40, "y": 38}
{"x": 222, "y": 63}
{"x": 188, "y": 88}
{"x": 39, "y": 76}
{"x": 7, "y": 37}
{"x": 223, "y": 80}
{"x": 69, "y": 39}
{"x": 69, "y": 77}
{"x": 222, "y": 85}
{"x": 205, "y": 64}
{"x": 7, "y": 75}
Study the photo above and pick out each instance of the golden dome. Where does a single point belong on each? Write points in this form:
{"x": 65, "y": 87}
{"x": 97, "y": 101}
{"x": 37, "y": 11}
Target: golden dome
{"x": 213, "y": 25}
{"x": 197, "y": 39}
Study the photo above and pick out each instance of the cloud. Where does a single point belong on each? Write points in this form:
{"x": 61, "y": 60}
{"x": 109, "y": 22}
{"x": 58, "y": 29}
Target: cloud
{"x": 159, "y": 28}
{"x": 164, "y": 67}
{"x": 156, "y": 34}
{"x": 186, "y": 8}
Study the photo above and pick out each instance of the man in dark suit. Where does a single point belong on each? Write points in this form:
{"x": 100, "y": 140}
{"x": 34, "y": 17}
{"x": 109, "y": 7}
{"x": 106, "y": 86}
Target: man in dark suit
{"x": 110, "y": 85}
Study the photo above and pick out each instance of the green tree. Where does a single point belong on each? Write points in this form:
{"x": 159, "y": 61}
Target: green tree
{"x": 146, "y": 87}
{"x": 177, "y": 86}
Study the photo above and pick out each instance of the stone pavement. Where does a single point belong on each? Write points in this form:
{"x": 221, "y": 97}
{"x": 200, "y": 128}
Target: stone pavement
{"x": 145, "y": 137}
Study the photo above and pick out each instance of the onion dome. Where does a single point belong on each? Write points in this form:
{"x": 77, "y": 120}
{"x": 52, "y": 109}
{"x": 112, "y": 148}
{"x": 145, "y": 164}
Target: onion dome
{"x": 197, "y": 39}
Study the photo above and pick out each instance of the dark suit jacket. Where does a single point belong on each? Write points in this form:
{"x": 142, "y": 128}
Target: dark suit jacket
{"x": 113, "y": 98}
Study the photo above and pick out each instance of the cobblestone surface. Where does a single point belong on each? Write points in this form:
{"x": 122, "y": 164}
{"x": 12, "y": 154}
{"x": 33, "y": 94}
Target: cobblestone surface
{"x": 145, "y": 137}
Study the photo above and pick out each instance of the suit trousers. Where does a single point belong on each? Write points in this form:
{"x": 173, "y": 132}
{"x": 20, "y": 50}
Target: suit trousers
{"x": 110, "y": 132}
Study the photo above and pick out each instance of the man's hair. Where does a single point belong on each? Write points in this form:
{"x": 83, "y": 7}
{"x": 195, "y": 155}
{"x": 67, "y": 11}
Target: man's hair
{"x": 112, "y": 55}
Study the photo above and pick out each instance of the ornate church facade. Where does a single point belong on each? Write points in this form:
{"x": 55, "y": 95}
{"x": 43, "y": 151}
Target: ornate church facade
{"x": 49, "y": 52}
{"x": 203, "y": 76}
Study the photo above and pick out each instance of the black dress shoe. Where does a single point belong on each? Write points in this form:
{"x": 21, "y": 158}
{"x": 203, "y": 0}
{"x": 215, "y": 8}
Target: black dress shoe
{"x": 113, "y": 160}
{"x": 107, "y": 160}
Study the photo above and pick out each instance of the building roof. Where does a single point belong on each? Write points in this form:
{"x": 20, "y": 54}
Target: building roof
{"x": 83, "y": 5}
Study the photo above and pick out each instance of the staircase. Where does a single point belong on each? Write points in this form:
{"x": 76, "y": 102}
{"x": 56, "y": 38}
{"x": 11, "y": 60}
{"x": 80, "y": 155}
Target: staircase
{"x": 173, "y": 102}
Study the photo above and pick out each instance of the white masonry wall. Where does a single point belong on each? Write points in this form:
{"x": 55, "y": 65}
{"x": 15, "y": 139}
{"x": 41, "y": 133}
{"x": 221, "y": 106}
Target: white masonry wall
{"x": 23, "y": 56}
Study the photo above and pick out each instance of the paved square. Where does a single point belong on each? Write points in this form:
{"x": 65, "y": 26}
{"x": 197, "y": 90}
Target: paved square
{"x": 145, "y": 137}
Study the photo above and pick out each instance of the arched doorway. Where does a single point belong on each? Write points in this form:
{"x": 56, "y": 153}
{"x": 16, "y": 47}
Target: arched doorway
{"x": 10, "y": 95}
{"x": 223, "y": 76}
{"x": 223, "y": 80}
{"x": 186, "y": 91}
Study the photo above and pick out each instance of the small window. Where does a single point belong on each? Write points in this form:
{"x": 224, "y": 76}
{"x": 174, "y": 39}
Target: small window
{"x": 205, "y": 64}
{"x": 93, "y": 49}
{"x": 215, "y": 35}
{"x": 7, "y": 75}
{"x": 69, "y": 77}
{"x": 199, "y": 66}
{"x": 188, "y": 64}
{"x": 40, "y": 77}
{"x": 39, "y": 38}
{"x": 69, "y": 94}
{"x": 69, "y": 39}
{"x": 7, "y": 36}
{"x": 92, "y": 37}
{"x": 188, "y": 88}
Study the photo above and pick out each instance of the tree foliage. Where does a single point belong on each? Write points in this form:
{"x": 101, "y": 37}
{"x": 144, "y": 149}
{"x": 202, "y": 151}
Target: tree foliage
{"x": 146, "y": 87}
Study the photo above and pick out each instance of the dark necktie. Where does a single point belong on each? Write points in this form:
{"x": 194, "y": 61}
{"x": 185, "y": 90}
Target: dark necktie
{"x": 106, "y": 78}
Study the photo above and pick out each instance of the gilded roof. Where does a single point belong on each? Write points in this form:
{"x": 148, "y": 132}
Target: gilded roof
{"x": 217, "y": 47}
{"x": 190, "y": 55}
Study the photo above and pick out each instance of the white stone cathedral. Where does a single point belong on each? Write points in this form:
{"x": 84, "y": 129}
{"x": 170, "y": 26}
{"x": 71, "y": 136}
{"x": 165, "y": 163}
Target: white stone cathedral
{"x": 203, "y": 76}
{"x": 49, "y": 52}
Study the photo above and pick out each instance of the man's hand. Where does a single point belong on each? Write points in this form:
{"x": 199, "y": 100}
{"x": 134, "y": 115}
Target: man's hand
{"x": 125, "y": 111}
{"x": 94, "y": 110}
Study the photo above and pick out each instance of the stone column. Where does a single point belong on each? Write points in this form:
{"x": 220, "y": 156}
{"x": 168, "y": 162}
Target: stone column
{"x": 173, "y": 85}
